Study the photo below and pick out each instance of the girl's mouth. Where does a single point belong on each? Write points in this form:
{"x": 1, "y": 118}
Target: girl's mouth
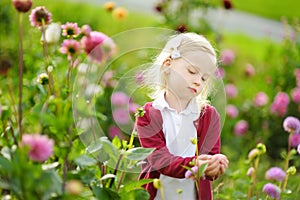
{"x": 193, "y": 90}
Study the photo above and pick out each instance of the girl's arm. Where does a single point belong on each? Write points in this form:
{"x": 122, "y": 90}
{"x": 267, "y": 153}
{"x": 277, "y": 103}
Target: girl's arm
{"x": 149, "y": 128}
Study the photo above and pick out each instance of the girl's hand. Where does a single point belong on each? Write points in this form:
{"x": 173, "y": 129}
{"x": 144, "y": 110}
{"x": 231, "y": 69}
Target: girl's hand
{"x": 213, "y": 167}
{"x": 202, "y": 159}
{"x": 217, "y": 165}
{"x": 223, "y": 161}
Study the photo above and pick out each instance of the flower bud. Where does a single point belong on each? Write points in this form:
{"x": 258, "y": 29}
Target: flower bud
{"x": 139, "y": 112}
{"x": 250, "y": 171}
{"x": 43, "y": 79}
{"x": 157, "y": 183}
{"x": 253, "y": 154}
{"x": 194, "y": 140}
{"x": 120, "y": 13}
{"x": 22, "y": 5}
{"x": 291, "y": 170}
{"x": 262, "y": 148}
{"x": 86, "y": 30}
{"x": 179, "y": 191}
{"x": 74, "y": 187}
{"x": 109, "y": 6}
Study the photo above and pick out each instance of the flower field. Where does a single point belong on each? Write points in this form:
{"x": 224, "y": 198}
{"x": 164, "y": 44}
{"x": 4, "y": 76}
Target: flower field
{"x": 71, "y": 76}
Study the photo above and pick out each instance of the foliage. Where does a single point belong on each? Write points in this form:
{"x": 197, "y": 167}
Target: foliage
{"x": 101, "y": 167}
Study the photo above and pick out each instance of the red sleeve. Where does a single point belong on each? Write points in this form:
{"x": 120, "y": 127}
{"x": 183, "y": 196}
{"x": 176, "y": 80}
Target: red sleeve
{"x": 149, "y": 128}
{"x": 209, "y": 132}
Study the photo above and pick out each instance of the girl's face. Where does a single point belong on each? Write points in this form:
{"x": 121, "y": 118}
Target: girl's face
{"x": 186, "y": 76}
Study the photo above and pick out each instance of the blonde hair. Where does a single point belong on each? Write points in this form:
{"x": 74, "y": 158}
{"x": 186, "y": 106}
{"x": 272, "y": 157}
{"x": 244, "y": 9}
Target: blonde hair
{"x": 180, "y": 45}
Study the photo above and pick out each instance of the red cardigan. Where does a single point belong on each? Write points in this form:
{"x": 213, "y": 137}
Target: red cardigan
{"x": 161, "y": 161}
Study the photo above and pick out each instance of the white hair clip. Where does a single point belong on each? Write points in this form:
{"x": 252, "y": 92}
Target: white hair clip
{"x": 175, "y": 53}
{"x": 173, "y": 45}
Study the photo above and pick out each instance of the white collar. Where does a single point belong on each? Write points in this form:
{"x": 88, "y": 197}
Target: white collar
{"x": 160, "y": 103}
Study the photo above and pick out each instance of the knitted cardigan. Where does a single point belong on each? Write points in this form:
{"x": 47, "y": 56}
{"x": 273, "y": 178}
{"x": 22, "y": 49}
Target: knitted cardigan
{"x": 161, "y": 161}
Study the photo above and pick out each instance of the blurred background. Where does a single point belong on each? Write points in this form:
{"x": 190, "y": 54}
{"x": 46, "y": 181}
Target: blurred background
{"x": 258, "y": 47}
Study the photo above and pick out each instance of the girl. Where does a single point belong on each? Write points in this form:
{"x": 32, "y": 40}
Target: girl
{"x": 181, "y": 81}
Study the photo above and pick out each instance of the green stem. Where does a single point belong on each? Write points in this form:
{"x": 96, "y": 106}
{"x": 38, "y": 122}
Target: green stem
{"x": 69, "y": 75}
{"x": 162, "y": 193}
{"x": 288, "y": 153}
{"x": 12, "y": 99}
{"x": 116, "y": 170}
{"x": 121, "y": 180}
{"x": 130, "y": 145}
{"x": 46, "y": 57}
{"x": 20, "y": 76}
{"x": 284, "y": 185}
{"x": 253, "y": 178}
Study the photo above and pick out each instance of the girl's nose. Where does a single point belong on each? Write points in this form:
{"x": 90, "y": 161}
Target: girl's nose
{"x": 197, "y": 80}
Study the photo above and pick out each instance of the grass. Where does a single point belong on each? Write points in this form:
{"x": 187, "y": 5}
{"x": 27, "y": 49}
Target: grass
{"x": 270, "y": 8}
{"x": 94, "y": 15}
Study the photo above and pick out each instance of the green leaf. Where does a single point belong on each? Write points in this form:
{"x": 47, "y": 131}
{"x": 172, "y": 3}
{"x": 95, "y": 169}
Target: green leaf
{"x": 94, "y": 146}
{"x": 85, "y": 160}
{"x": 5, "y": 165}
{"x": 109, "y": 148}
{"x": 105, "y": 194}
{"x": 107, "y": 176}
{"x": 117, "y": 142}
{"x": 139, "y": 194}
{"x": 135, "y": 185}
{"x": 202, "y": 169}
{"x": 138, "y": 153}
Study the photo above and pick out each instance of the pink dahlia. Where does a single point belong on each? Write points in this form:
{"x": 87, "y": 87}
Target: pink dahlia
{"x": 220, "y": 73}
{"x": 40, "y": 146}
{"x": 133, "y": 107}
{"x": 295, "y": 94}
{"x": 121, "y": 116}
{"x": 39, "y": 16}
{"x": 275, "y": 174}
{"x": 227, "y": 57}
{"x": 280, "y": 104}
{"x": 291, "y": 124}
{"x": 86, "y": 30}
{"x": 231, "y": 91}
{"x": 98, "y": 46}
{"x": 189, "y": 174}
{"x": 260, "y": 99}
{"x": 249, "y": 70}
{"x": 108, "y": 79}
{"x": 241, "y": 127}
{"x": 232, "y": 111}
{"x": 114, "y": 131}
{"x": 297, "y": 74}
{"x": 70, "y": 47}
{"x": 70, "y": 30}
{"x": 295, "y": 140}
{"x": 119, "y": 99}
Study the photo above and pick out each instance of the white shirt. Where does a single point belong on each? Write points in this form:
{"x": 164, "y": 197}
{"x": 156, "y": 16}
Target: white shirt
{"x": 178, "y": 129}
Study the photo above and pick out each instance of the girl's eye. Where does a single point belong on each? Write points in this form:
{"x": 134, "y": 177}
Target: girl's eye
{"x": 191, "y": 72}
{"x": 204, "y": 78}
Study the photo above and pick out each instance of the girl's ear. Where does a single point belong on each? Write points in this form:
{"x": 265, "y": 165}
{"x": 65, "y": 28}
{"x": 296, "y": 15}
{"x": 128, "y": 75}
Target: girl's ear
{"x": 167, "y": 62}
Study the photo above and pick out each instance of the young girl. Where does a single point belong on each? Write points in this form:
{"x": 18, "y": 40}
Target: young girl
{"x": 181, "y": 81}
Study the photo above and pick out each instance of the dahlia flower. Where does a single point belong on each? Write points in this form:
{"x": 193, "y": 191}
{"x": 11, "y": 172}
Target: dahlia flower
{"x": 39, "y": 16}
{"x": 40, "y": 146}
